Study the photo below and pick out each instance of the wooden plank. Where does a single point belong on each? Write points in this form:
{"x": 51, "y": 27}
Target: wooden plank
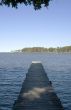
{"x": 37, "y": 92}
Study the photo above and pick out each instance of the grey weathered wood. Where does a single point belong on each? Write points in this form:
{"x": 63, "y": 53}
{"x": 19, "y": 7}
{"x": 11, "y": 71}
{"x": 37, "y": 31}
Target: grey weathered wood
{"x": 37, "y": 92}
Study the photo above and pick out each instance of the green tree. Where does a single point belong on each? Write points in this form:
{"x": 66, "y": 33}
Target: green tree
{"x": 36, "y": 3}
{"x": 51, "y": 49}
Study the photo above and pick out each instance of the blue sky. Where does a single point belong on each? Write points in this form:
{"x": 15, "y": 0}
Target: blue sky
{"x": 25, "y": 27}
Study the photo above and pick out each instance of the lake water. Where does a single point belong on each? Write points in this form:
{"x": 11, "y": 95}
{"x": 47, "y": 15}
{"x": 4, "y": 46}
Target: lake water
{"x": 13, "y": 69}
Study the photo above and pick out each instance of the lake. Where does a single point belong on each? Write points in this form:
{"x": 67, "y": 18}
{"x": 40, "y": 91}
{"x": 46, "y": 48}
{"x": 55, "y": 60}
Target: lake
{"x": 13, "y": 69}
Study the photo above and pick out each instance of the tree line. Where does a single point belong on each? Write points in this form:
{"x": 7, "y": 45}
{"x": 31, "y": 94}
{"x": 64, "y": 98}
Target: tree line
{"x": 42, "y": 49}
{"x": 37, "y": 4}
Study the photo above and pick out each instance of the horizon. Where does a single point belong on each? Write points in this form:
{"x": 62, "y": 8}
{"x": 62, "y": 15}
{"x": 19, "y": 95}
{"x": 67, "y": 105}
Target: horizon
{"x": 39, "y": 47}
{"x": 25, "y": 27}
{"x": 35, "y": 47}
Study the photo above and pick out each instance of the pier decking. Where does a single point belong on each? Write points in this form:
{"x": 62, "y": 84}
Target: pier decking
{"x": 37, "y": 92}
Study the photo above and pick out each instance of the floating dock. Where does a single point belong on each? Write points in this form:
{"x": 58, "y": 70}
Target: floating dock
{"x": 37, "y": 92}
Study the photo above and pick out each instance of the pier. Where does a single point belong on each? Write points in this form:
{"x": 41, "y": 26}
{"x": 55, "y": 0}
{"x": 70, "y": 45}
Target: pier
{"x": 37, "y": 92}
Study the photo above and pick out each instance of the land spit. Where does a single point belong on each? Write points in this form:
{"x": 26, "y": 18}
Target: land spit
{"x": 37, "y": 92}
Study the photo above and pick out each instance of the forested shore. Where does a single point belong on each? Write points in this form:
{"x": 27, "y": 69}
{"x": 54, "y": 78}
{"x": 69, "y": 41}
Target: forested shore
{"x": 42, "y": 49}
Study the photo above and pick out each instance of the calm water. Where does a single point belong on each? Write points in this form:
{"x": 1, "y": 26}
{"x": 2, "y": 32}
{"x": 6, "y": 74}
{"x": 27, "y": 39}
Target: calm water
{"x": 14, "y": 66}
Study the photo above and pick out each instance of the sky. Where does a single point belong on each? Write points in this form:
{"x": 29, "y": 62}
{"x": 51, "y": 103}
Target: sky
{"x": 25, "y": 27}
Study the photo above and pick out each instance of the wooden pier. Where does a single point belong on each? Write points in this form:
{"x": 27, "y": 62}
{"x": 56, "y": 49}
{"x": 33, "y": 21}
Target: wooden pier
{"x": 37, "y": 92}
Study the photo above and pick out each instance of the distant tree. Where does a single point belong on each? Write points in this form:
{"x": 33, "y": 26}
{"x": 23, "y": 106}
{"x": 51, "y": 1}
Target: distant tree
{"x": 36, "y": 3}
{"x": 42, "y": 49}
{"x": 51, "y": 49}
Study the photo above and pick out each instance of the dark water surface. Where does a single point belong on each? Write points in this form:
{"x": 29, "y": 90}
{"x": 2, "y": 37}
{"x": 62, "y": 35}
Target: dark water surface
{"x": 13, "y": 69}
